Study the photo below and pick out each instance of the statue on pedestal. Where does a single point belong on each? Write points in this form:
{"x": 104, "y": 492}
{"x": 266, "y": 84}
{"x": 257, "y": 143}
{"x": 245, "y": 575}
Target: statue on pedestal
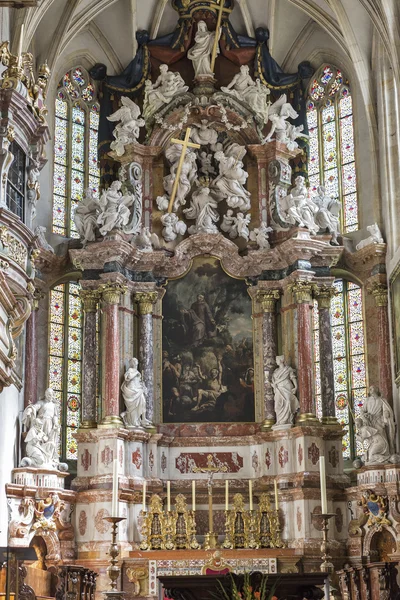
{"x": 126, "y": 132}
{"x": 85, "y": 217}
{"x": 200, "y": 53}
{"x": 376, "y": 425}
{"x": 114, "y": 213}
{"x": 134, "y": 394}
{"x": 284, "y": 383}
{"x": 327, "y": 215}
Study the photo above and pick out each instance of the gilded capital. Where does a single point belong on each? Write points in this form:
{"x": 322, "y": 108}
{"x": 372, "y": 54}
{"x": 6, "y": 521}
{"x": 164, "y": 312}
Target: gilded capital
{"x": 324, "y": 293}
{"x": 379, "y": 292}
{"x": 267, "y": 299}
{"x": 89, "y": 299}
{"x": 111, "y": 292}
{"x": 302, "y": 291}
{"x": 145, "y": 301}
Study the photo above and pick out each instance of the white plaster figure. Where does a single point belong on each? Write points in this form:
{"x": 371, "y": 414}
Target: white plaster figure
{"x": 134, "y": 394}
{"x": 278, "y": 113}
{"x": 166, "y": 87}
{"x": 299, "y": 209}
{"x": 146, "y": 241}
{"x": 172, "y": 227}
{"x": 374, "y": 238}
{"x": 284, "y": 383}
{"x": 254, "y": 93}
{"x": 229, "y": 224}
{"x": 229, "y": 184}
{"x": 293, "y": 132}
{"x": 260, "y": 236}
{"x": 242, "y": 223}
{"x": 126, "y": 132}
{"x": 203, "y": 210}
{"x": 207, "y": 167}
{"x": 85, "y": 217}
{"x": 376, "y": 424}
{"x": 203, "y": 134}
{"x": 42, "y": 422}
{"x": 33, "y": 185}
{"x": 327, "y": 215}
{"x": 39, "y": 232}
{"x": 114, "y": 213}
{"x": 187, "y": 177}
{"x": 200, "y": 53}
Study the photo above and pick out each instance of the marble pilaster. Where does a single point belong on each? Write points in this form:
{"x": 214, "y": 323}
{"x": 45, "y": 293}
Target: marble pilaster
{"x": 267, "y": 300}
{"x": 145, "y": 302}
{"x": 89, "y": 303}
{"x": 324, "y": 295}
{"x": 31, "y": 355}
{"x": 380, "y": 293}
{"x": 111, "y": 294}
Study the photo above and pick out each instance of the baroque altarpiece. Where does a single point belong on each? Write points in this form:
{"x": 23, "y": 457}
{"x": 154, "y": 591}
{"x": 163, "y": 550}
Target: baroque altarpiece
{"x": 205, "y": 268}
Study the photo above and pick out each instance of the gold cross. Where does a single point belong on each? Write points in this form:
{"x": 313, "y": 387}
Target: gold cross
{"x": 211, "y": 469}
{"x": 185, "y": 145}
{"x": 220, "y": 9}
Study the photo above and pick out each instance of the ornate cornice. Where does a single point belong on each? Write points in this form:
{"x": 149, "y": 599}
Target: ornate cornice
{"x": 111, "y": 292}
{"x": 145, "y": 301}
{"x": 267, "y": 299}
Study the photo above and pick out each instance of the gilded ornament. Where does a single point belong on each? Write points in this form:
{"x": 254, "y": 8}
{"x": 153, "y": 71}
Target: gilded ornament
{"x": 89, "y": 299}
{"x": 302, "y": 291}
{"x": 324, "y": 293}
{"x": 145, "y": 301}
{"x": 375, "y": 508}
{"x": 380, "y": 292}
{"x": 268, "y": 299}
{"x": 111, "y": 292}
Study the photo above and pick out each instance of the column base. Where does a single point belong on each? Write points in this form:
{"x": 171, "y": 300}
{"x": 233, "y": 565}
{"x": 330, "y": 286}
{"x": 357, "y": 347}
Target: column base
{"x": 111, "y": 421}
{"x": 307, "y": 418}
{"x": 267, "y": 424}
{"x": 330, "y": 421}
{"x": 88, "y": 425}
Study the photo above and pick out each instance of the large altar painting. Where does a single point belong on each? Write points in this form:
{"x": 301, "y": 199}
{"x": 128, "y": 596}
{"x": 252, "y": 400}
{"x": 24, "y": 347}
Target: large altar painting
{"x": 208, "y": 369}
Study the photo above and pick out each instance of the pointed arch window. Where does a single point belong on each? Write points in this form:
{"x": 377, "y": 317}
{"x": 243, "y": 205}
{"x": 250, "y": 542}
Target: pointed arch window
{"x": 75, "y": 147}
{"x": 331, "y": 159}
{"x": 350, "y": 379}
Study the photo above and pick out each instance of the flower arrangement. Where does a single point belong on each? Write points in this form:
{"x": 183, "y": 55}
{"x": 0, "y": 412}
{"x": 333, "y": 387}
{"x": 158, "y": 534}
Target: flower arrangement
{"x": 245, "y": 590}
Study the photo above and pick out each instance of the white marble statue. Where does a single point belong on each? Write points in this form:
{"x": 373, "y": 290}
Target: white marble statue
{"x": 114, "y": 211}
{"x": 236, "y": 225}
{"x": 39, "y": 233}
{"x": 254, "y": 93}
{"x": 146, "y": 241}
{"x": 203, "y": 210}
{"x": 186, "y": 179}
{"x": 298, "y": 208}
{"x": 172, "y": 227}
{"x": 294, "y": 132}
{"x": 376, "y": 424}
{"x": 228, "y": 224}
{"x": 374, "y": 238}
{"x": 85, "y": 217}
{"x": 126, "y": 132}
{"x": 134, "y": 394}
{"x": 166, "y": 87}
{"x": 207, "y": 168}
{"x": 42, "y": 423}
{"x": 203, "y": 134}
{"x": 260, "y": 236}
{"x": 33, "y": 185}
{"x": 229, "y": 183}
{"x": 327, "y": 215}
{"x": 278, "y": 113}
{"x": 200, "y": 53}
{"x": 284, "y": 383}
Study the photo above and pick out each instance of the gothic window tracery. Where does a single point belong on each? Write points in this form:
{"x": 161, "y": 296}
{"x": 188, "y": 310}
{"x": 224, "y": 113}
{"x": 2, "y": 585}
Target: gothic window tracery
{"x": 75, "y": 147}
{"x": 331, "y": 160}
{"x": 348, "y": 341}
{"x": 15, "y": 192}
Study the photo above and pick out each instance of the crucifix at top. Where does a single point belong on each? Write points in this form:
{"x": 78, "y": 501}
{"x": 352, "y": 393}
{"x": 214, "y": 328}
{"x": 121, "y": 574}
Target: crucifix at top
{"x": 220, "y": 10}
{"x": 185, "y": 145}
{"x": 211, "y": 469}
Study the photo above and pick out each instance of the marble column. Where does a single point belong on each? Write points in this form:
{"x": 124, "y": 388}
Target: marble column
{"x": 31, "y": 355}
{"x": 145, "y": 302}
{"x": 89, "y": 361}
{"x": 111, "y": 295}
{"x": 380, "y": 293}
{"x": 267, "y": 300}
{"x": 302, "y": 291}
{"x": 324, "y": 295}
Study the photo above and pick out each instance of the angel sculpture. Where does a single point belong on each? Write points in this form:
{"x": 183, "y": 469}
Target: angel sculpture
{"x": 203, "y": 209}
{"x": 114, "y": 213}
{"x": 172, "y": 227}
{"x": 146, "y": 241}
{"x": 278, "y": 113}
{"x": 126, "y": 132}
{"x": 260, "y": 236}
{"x": 203, "y": 134}
{"x": 85, "y": 217}
{"x": 236, "y": 226}
{"x": 229, "y": 184}
{"x": 293, "y": 132}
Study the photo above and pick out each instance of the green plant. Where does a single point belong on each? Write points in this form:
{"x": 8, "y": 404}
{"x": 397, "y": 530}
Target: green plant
{"x": 245, "y": 591}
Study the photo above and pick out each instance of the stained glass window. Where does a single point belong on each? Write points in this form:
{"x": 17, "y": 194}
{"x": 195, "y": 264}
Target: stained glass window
{"x": 65, "y": 361}
{"x": 347, "y": 328}
{"x": 75, "y": 148}
{"x": 15, "y": 191}
{"x": 331, "y": 161}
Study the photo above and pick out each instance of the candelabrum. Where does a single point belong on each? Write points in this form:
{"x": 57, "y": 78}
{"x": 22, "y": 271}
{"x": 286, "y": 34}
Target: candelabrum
{"x": 194, "y": 544}
{"x": 229, "y": 531}
{"x": 114, "y": 570}
{"x": 253, "y": 530}
{"x": 326, "y": 565}
{"x": 276, "y": 540}
{"x": 169, "y": 527}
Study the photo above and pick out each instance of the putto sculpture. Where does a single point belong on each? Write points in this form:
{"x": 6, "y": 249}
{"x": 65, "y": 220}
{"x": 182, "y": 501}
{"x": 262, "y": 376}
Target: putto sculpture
{"x": 126, "y": 132}
{"x": 260, "y": 236}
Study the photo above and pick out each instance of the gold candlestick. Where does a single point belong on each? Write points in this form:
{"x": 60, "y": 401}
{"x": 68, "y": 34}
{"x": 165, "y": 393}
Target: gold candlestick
{"x": 229, "y": 531}
{"x": 113, "y": 570}
{"x": 253, "y": 542}
{"x": 194, "y": 544}
{"x": 326, "y": 565}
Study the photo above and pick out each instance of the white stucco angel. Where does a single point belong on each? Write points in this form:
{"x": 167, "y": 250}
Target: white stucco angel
{"x": 254, "y": 93}
{"x": 41, "y": 420}
{"x": 376, "y": 424}
{"x": 146, "y": 241}
{"x": 200, "y": 53}
{"x": 187, "y": 176}
{"x": 260, "y": 236}
{"x": 278, "y": 114}
{"x": 114, "y": 211}
{"x": 134, "y": 394}
{"x": 207, "y": 168}
{"x": 40, "y": 231}
{"x": 294, "y": 132}
{"x": 327, "y": 215}
{"x": 284, "y": 383}
{"x": 85, "y": 217}
{"x": 203, "y": 210}
{"x": 298, "y": 208}
{"x": 229, "y": 184}
{"x": 228, "y": 224}
{"x": 204, "y": 134}
{"x": 172, "y": 226}
{"x": 128, "y": 130}
{"x": 375, "y": 237}
{"x": 167, "y": 85}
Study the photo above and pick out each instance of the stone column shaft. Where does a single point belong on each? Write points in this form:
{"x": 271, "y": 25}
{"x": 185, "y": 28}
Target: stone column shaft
{"x": 89, "y": 362}
{"x": 145, "y": 302}
{"x": 268, "y": 300}
{"x": 31, "y": 356}
{"x": 324, "y": 295}
{"x": 380, "y": 293}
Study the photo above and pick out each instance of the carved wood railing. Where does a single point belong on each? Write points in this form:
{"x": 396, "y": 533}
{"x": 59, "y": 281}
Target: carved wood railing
{"x": 75, "y": 583}
{"x": 375, "y": 581}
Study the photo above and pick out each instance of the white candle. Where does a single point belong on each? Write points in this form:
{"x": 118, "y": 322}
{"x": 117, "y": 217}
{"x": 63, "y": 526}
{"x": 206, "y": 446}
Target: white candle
{"x": 250, "y": 494}
{"x": 227, "y": 495}
{"x": 194, "y": 495}
{"x": 114, "y": 503}
{"x": 276, "y": 494}
{"x": 144, "y": 495}
{"x": 21, "y": 38}
{"x": 322, "y": 473}
{"x": 168, "y": 496}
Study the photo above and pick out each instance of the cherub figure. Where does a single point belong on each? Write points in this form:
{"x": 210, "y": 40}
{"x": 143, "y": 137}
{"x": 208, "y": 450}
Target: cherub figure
{"x": 126, "y": 132}
{"x": 260, "y": 236}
